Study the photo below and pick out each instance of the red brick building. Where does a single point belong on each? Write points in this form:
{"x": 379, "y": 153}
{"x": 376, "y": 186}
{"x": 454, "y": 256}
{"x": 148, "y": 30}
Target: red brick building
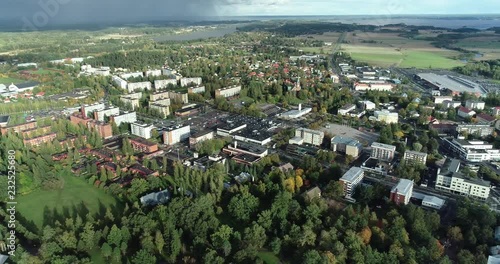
{"x": 37, "y": 141}
{"x": 142, "y": 145}
{"x": 18, "y": 128}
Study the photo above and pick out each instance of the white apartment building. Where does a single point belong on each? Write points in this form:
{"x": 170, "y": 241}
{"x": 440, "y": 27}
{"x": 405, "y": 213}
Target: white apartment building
{"x": 141, "y": 130}
{"x": 415, "y": 156}
{"x": 455, "y": 182}
{"x": 175, "y": 135}
{"x": 162, "y": 84}
{"x": 90, "y": 109}
{"x": 119, "y": 82}
{"x": 187, "y": 81}
{"x": 168, "y": 71}
{"x": 313, "y": 137}
{"x": 101, "y": 114}
{"x": 368, "y": 105}
{"x": 164, "y": 110}
{"x": 474, "y": 104}
{"x": 127, "y": 76}
{"x": 153, "y": 73}
{"x": 126, "y": 117}
{"x": 138, "y": 86}
{"x": 132, "y": 99}
{"x": 387, "y": 117}
{"x": 346, "y": 109}
{"x": 228, "y": 91}
{"x": 473, "y": 150}
{"x": 351, "y": 179}
{"x": 383, "y": 152}
{"x": 198, "y": 89}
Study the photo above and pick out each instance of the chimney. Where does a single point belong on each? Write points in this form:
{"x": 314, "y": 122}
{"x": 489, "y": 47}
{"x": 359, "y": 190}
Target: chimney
{"x": 300, "y": 107}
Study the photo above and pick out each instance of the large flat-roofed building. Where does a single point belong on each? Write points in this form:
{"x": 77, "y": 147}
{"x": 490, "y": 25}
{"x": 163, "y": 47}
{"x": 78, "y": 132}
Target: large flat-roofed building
{"x": 296, "y": 113}
{"x": 189, "y": 110}
{"x": 197, "y": 89}
{"x": 126, "y": 117}
{"x": 121, "y": 83}
{"x": 346, "y": 109}
{"x": 138, "y": 86}
{"x": 18, "y": 128}
{"x": 456, "y": 85}
{"x": 387, "y": 117}
{"x": 313, "y": 137}
{"x": 200, "y": 137}
{"x": 162, "y": 84}
{"x": 346, "y": 145}
{"x": 472, "y": 150}
{"x": 108, "y": 111}
{"x": 415, "y": 157}
{"x": 188, "y": 81}
{"x": 141, "y": 129}
{"x": 373, "y": 86}
{"x": 87, "y": 110}
{"x": 351, "y": 179}
{"x": 450, "y": 179}
{"x": 401, "y": 193}
{"x": 245, "y": 153}
{"x": 132, "y": 99}
{"x": 479, "y": 130}
{"x": 383, "y": 152}
{"x": 228, "y": 91}
{"x": 164, "y": 110}
{"x": 174, "y": 135}
{"x": 143, "y": 145}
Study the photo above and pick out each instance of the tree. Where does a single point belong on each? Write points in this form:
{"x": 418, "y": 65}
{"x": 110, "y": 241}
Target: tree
{"x": 455, "y": 234}
{"x": 114, "y": 236}
{"x": 312, "y": 257}
{"x": 242, "y": 206}
{"x": 465, "y": 257}
{"x": 159, "y": 241}
{"x": 334, "y": 190}
{"x": 417, "y": 146}
{"x": 143, "y": 257}
{"x": 106, "y": 250}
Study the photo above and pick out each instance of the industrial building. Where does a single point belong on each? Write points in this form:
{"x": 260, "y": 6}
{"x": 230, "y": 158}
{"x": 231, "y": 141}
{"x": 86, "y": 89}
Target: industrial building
{"x": 351, "y": 179}
{"x": 402, "y": 192}
{"x": 452, "y": 83}
{"x": 294, "y": 114}
{"x": 346, "y": 145}
{"x": 383, "y": 152}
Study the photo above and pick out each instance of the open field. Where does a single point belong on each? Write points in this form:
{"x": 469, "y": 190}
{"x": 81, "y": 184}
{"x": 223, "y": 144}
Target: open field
{"x": 76, "y": 194}
{"x": 8, "y": 80}
{"x": 366, "y": 138}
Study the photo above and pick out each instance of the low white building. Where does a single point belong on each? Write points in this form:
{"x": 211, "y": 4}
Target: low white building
{"x": 387, "y": 117}
{"x": 474, "y": 104}
{"x": 465, "y": 112}
{"x": 296, "y": 113}
{"x": 432, "y": 202}
{"x": 441, "y": 99}
{"x": 368, "y": 105}
{"x": 346, "y": 109}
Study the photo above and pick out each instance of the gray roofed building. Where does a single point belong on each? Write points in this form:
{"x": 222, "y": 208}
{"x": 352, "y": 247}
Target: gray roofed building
{"x": 156, "y": 198}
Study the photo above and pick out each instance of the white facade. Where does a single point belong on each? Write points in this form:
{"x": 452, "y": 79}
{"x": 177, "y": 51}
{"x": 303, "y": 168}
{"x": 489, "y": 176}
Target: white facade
{"x": 129, "y": 117}
{"x": 141, "y": 130}
{"x": 187, "y": 81}
{"x": 228, "y": 91}
{"x": 473, "y": 150}
{"x": 472, "y": 104}
{"x": 387, "y": 117}
{"x": 162, "y": 109}
{"x": 119, "y": 82}
{"x": 176, "y": 135}
{"x": 451, "y": 104}
{"x": 89, "y": 109}
{"x": 132, "y": 75}
{"x": 441, "y": 99}
{"x": 351, "y": 179}
{"x": 414, "y": 156}
{"x": 368, "y": 105}
{"x": 153, "y": 73}
{"x": 432, "y": 202}
{"x": 199, "y": 89}
{"x": 373, "y": 86}
{"x": 313, "y": 137}
{"x": 383, "y": 151}
{"x": 162, "y": 84}
{"x": 346, "y": 109}
{"x": 101, "y": 114}
{"x": 138, "y": 86}
{"x": 458, "y": 184}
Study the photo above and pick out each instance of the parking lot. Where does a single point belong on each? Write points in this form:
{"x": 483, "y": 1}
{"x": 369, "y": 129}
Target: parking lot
{"x": 366, "y": 138}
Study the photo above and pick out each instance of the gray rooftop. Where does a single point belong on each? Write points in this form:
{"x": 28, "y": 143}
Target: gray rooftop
{"x": 403, "y": 187}
{"x": 352, "y": 174}
{"x": 345, "y": 140}
{"x": 452, "y": 83}
{"x": 381, "y": 145}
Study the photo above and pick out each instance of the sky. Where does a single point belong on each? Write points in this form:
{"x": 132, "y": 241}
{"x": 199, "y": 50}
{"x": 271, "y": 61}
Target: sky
{"x": 43, "y": 12}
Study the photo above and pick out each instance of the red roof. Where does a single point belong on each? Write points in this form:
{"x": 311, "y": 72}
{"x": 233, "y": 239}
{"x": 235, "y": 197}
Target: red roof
{"x": 464, "y": 109}
{"x": 40, "y": 94}
{"x": 486, "y": 117}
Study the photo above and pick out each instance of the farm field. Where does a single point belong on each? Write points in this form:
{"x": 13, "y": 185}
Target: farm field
{"x": 8, "y": 80}
{"x": 76, "y": 194}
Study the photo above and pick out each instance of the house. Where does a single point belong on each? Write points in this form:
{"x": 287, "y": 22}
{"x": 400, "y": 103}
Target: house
{"x": 312, "y": 194}
{"x": 465, "y": 112}
{"x": 432, "y": 202}
{"x": 474, "y": 104}
{"x": 485, "y": 119}
{"x": 286, "y": 167}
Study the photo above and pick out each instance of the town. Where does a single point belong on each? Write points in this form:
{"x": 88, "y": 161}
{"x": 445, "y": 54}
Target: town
{"x": 246, "y": 132}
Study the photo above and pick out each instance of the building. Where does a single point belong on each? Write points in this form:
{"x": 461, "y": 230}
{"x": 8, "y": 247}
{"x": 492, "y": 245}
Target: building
{"x": 346, "y": 145}
{"x": 189, "y": 110}
{"x": 454, "y": 84}
{"x": 346, "y": 109}
{"x": 141, "y": 129}
{"x": 162, "y": 84}
{"x": 351, "y": 179}
{"x": 313, "y": 137}
{"x": 401, "y": 193}
{"x": 472, "y": 150}
{"x": 245, "y": 153}
{"x": 415, "y": 157}
{"x": 451, "y": 104}
{"x": 164, "y": 110}
{"x": 4, "y": 120}
{"x": 432, "y": 202}
{"x": 132, "y": 99}
{"x": 496, "y": 110}
{"x": 88, "y": 110}
{"x": 18, "y": 128}
{"x": 450, "y": 179}
{"x": 312, "y": 194}
{"x": 131, "y": 87}
{"x": 387, "y": 117}
{"x": 442, "y": 99}
{"x": 368, "y": 105}
{"x": 480, "y": 130}
{"x": 228, "y": 91}
{"x": 465, "y": 112}
{"x": 119, "y": 82}
{"x": 126, "y": 117}
{"x": 154, "y": 73}
{"x": 108, "y": 111}
{"x": 156, "y": 198}
{"x": 485, "y": 119}
{"x": 294, "y": 114}
{"x": 178, "y": 97}
{"x": 174, "y": 135}
{"x": 475, "y": 104}
{"x": 197, "y": 89}
{"x": 143, "y": 145}
{"x": 190, "y": 81}
{"x": 168, "y": 71}
{"x": 200, "y": 137}
{"x": 383, "y": 152}
{"x": 373, "y": 86}
{"x": 39, "y": 140}
{"x": 127, "y": 76}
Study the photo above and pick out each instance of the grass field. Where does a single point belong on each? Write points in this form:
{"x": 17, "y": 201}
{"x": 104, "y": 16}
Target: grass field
{"x": 41, "y": 71}
{"x": 8, "y": 80}
{"x": 268, "y": 257}
{"x": 76, "y": 192}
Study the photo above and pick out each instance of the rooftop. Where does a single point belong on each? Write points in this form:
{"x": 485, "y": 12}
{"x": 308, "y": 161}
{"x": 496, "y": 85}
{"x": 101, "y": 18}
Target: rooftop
{"x": 381, "y": 145}
{"x": 345, "y": 140}
{"x": 452, "y": 83}
{"x": 403, "y": 187}
{"x": 352, "y": 174}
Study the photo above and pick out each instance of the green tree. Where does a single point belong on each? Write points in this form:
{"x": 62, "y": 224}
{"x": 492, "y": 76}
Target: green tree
{"x": 242, "y": 206}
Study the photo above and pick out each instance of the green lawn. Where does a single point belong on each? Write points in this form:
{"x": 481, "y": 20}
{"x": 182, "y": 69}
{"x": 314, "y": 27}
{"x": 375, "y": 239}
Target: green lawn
{"x": 268, "y": 257}
{"x": 75, "y": 194}
{"x": 8, "y": 80}
{"x": 426, "y": 59}
{"x": 41, "y": 71}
